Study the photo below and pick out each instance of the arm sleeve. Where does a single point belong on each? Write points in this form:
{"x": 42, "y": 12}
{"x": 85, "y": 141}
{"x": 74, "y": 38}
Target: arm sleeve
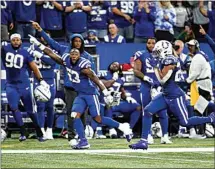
{"x": 210, "y": 42}
{"x": 137, "y": 14}
{"x": 152, "y": 14}
{"x": 54, "y": 45}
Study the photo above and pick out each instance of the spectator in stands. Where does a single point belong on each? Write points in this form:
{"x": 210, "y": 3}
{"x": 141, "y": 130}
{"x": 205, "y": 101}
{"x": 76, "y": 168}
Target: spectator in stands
{"x": 181, "y": 17}
{"x": 76, "y": 17}
{"x": 6, "y": 20}
{"x": 122, "y": 12}
{"x": 92, "y": 38}
{"x": 98, "y": 17}
{"x": 187, "y": 34}
{"x": 144, "y": 15}
{"x": 211, "y": 42}
{"x": 165, "y": 20}
{"x": 198, "y": 18}
{"x": 113, "y": 36}
{"x": 24, "y": 12}
{"x": 51, "y": 16}
{"x": 210, "y": 13}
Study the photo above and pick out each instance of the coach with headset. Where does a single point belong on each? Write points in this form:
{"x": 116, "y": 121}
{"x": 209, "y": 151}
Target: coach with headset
{"x": 200, "y": 71}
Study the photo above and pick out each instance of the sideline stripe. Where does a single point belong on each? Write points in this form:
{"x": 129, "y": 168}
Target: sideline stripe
{"x": 154, "y": 158}
{"x": 150, "y": 150}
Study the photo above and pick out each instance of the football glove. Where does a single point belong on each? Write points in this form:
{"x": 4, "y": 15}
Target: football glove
{"x": 44, "y": 84}
{"x": 107, "y": 97}
{"x": 148, "y": 79}
{"x": 130, "y": 100}
{"x": 115, "y": 76}
{"x": 33, "y": 40}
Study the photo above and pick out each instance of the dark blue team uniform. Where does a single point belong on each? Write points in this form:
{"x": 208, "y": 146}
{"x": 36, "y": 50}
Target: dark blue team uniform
{"x": 123, "y": 105}
{"x": 145, "y": 88}
{"x": 46, "y": 66}
{"x": 87, "y": 92}
{"x": 51, "y": 17}
{"x": 173, "y": 99}
{"x": 17, "y": 76}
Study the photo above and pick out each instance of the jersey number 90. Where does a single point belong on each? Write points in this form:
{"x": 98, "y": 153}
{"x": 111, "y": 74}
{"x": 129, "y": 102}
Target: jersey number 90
{"x": 15, "y": 61}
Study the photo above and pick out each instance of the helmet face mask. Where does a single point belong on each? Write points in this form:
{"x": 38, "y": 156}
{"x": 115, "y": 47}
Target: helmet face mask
{"x": 59, "y": 105}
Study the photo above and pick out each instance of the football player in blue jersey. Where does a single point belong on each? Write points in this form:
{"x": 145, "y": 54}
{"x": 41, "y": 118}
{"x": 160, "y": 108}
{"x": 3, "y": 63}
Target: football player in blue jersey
{"x": 77, "y": 41}
{"x": 150, "y": 86}
{"x": 16, "y": 61}
{"x": 46, "y": 66}
{"x": 84, "y": 80}
{"x": 123, "y": 102}
{"x": 172, "y": 97}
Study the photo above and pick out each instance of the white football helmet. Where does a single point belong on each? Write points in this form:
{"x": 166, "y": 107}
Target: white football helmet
{"x": 162, "y": 49}
{"x": 42, "y": 93}
{"x": 89, "y": 132}
{"x": 3, "y": 135}
{"x": 209, "y": 131}
{"x": 156, "y": 129}
{"x": 59, "y": 105}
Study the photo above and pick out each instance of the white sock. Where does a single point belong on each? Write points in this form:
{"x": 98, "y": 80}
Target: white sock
{"x": 192, "y": 131}
{"x": 43, "y": 131}
{"x": 98, "y": 128}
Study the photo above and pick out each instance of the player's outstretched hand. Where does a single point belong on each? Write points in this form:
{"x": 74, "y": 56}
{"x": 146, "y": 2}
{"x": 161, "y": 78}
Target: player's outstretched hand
{"x": 115, "y": 76}
{"x": 33, "y": 40}
{"x": 148, "y": 79}
{"x": 131, "y": 100}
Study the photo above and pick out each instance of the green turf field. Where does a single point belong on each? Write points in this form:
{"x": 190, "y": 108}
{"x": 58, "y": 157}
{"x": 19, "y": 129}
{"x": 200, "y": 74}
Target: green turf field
{"x": 108, "y": 154}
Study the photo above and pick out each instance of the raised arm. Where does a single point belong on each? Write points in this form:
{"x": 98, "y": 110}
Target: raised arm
{"x": 46, "y": 50}
{"x": 51, "y": 42}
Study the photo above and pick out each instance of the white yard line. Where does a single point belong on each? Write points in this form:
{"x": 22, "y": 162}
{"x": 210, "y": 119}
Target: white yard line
{"x": 150, "y": 150}
{"x": 153, "y": 158}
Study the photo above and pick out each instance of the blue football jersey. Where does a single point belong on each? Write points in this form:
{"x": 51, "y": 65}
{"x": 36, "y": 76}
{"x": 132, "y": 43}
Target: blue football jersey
{"x": 126, "y": 7}
{"x": 76, "y": 21}
{"x": 16, "y": 65}
{"x": 116, "y": 39}
{"x": 80, "y": 82}
{"x": 24, "y": 11}
{"x": 6, "y": 16}
{"x": 171, "y": 89}
{"x": 147, "y": 69}
{"x": 98, "y": 16}
{"x": 46, "y": 66}
{"x": 117, "y": 84}
{"x": 50, "y": 17}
